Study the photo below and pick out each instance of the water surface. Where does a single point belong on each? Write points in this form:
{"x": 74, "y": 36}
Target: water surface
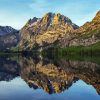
{"x": 29, "y": 78}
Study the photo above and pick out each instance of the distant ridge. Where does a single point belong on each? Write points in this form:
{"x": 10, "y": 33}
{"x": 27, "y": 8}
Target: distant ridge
{"x": 9, "y": 37}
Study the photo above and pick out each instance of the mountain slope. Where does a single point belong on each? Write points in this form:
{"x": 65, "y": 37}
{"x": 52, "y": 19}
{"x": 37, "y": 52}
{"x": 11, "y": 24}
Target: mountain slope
{"x": 6, "y": 30}
{"x": 46, "y": 30}
{"x": 87, "y": 34}
{"x": 9, "y": 37}
{"x": 59, "y": 29}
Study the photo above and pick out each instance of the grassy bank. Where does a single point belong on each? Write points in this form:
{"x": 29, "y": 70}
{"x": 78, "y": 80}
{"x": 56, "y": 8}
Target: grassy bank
{"x": 80, "y": 50}
{"x": 74, "y": 50}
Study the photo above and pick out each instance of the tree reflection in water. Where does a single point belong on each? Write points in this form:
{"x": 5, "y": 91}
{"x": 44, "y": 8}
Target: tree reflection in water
{"x": 52, "y": 75}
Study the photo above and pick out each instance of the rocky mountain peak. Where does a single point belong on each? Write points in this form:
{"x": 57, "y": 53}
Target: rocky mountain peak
{"x": 97, "y": 17}
{"x": 61, "y": 19}
{"x": 98, "y": 13}
{"x": 49, "y": 14}
{"x": 47, "y": 29}
{"x": 33, "y": 20}
{"x": 47, "y": 18}
{"x": 6, "y": 30}
{"x": 88, "y": 27}
{"x": 54, "y": 19}
{"x": 9, "y": 37}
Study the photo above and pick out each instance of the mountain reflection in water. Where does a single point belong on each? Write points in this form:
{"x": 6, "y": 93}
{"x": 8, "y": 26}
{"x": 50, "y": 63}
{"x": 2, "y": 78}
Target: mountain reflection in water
{"x": 53, "y": 76}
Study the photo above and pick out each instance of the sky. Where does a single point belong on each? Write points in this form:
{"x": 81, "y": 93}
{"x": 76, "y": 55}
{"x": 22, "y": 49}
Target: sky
{"x": 16, "y": 13}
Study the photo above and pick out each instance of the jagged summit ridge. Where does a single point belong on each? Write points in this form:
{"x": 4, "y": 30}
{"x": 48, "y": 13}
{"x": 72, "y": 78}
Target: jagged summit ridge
{"x": 86, "y": 35}
{"x": 53, "y": 19}
{"x": 97, "y": 18}
{"x": 53, "y": 28}
{"x": 9, "y": 37}
{"x": 6, "y": 30}
{"x": 48, "y": 29}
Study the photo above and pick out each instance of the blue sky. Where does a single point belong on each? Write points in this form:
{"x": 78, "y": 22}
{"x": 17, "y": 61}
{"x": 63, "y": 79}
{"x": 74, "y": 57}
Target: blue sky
{"x": 15, "y": 13}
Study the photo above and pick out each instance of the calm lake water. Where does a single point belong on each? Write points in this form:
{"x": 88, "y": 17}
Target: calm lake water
{"x": 30, "y": 78}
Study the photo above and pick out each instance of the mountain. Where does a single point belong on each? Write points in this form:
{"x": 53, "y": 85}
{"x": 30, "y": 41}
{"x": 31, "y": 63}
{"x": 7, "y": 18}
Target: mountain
{"x": 49, "y": 30}
{"x": 86, "y": 35}
{"x": 6, "y": 30}
{"x": 91, "y": 26}
{"x": 9, "y": 37}
{"x": 45, "y": 30}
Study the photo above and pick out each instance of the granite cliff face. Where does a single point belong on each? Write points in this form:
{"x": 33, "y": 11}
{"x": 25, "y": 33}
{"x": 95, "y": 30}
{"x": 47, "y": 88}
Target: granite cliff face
{"x": 56, "y": 28}
{"x": 46, "y": 30}
{"x": 49, "y": 30}
{"x": 9, "y": 37}
{"x": 86, "y": 35}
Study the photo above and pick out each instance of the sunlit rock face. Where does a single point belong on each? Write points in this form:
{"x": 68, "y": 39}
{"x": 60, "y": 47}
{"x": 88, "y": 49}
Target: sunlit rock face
{"x": 60, "y": 30}
{"x": 86, "y": 35}
{"x": 55, "y": 77}
{"x": 45, "y": 30}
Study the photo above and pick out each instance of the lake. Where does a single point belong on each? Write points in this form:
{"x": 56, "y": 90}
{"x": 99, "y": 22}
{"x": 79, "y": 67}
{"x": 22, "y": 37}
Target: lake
{"x": 44, "y": 78}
